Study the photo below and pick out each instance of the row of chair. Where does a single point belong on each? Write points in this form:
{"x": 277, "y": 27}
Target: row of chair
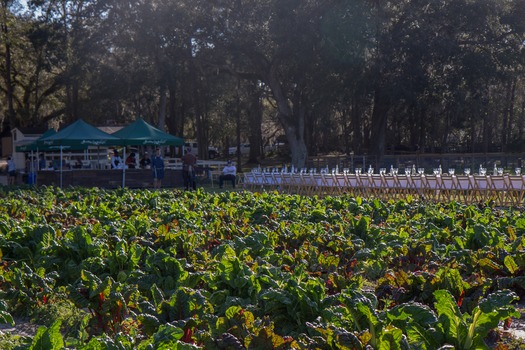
{"x": 504, "y": 190}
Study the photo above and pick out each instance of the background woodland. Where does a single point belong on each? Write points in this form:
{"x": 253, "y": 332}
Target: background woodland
{"x": 361, "y": 76}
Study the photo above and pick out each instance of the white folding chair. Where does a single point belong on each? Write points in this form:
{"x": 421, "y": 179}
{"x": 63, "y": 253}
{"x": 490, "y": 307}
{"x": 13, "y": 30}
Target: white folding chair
{"x": 388, "y": 187}
{"x": 286, "y": 182}
{"x": 402, "y": 183}
{"x": 296, "y": 183}
{"x": 353, "y": 185}
{"x": 516, "y": 189}
{"x": 274, "y": 180}
{"x": 249, "y": 180}
{"x": 331, "y": 184}
{"x": 306, "y": 184}
{"x": 431, "y": 187}
{"x": 364, "y": 185}
{"x": 260, "y": 181}
{"x": 318, "y": 186}
{"x": 447, "y": 188}
{"x": 340, "y": 183}
{"x": 374, "y": 185}
{"x": 463, "y": 193}
{"x": 480, "y": 188}
{"x": 498, "y": 189}
{"x": 416, "y": 185}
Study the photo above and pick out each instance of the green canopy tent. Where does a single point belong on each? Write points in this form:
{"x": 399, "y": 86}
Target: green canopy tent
{"x": 140, "y": 133}
{"x": 36, "y": 146}
{"x": 81, "y": 135}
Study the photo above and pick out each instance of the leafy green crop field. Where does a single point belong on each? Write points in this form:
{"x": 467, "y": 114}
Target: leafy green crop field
{"x": 140, "y": 269}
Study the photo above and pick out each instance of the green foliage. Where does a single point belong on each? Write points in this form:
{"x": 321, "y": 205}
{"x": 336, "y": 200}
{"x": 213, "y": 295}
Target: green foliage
{"x": 466, "y": 331}
{"x": 48, "y": 338}
{"x": 258, "y": 270}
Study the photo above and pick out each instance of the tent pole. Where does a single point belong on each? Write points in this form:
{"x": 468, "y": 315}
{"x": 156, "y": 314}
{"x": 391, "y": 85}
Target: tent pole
{"x": 37, "y": 166}
{"x": 124, "y": 168}
{"x": 31, "y": 169}
{"x": 60, "y": 166}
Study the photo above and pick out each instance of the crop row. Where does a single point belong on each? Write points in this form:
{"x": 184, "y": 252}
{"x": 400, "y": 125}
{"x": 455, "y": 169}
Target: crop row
{"x": 168, "y": 269}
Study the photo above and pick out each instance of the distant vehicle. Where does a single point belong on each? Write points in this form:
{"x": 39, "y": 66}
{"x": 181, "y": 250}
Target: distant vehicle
{"x": 213, "y": 152}
{"x": 278, "y": 146}
{"x": 245, "y": 149}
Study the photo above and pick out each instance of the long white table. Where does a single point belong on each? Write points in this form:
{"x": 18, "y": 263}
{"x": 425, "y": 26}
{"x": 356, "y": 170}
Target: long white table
{"x": 504, "y": 190}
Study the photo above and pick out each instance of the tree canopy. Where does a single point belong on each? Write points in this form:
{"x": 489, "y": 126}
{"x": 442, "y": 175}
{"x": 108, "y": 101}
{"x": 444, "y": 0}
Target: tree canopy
{"x": 360, "y": 76}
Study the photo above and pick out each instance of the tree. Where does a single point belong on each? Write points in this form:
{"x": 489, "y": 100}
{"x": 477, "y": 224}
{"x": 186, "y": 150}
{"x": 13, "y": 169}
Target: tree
{"x": 7, "y": 21}
{"x": 277, "y": 43}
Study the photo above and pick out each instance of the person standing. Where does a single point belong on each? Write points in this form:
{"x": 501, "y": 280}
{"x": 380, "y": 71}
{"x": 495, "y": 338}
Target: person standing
{"x": 116, "y": 161}
{"x": 229, "y": 173}
{"x": 189, "y": 160}
{"x": 157, "y": 166}
{"x": 42, "y": 164}
{"x": 11, "y": 170}
{"x": 145, "y": 162}
{"x": 131, "y": 161}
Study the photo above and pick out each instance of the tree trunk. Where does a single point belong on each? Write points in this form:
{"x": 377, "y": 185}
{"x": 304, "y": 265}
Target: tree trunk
{"x": 255, "y": 122}
{"x": 295, "y": 136}
{"x": 357, "y": 127}
{"x": 162, "y": 107}
{"x": 238, "y": 121}
{"x": 379, "y": 121}
{"x": 175, "y": 118}
{"x": 293, "y": 123}
{"x": 508, "y": 115}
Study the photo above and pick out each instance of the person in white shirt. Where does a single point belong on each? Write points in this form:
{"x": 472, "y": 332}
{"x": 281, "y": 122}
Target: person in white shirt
{"x": 116, "y": 161}
{"x": 229, "y": 173}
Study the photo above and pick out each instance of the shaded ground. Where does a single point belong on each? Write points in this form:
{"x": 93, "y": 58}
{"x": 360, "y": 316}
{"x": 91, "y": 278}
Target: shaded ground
{"x": 22, "y": 328}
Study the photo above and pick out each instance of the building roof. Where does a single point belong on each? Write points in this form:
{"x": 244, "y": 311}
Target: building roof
{"x": 29, "y": 131}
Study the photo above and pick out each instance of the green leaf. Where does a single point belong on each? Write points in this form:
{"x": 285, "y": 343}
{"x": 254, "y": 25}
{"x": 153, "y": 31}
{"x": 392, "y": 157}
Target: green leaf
{"x": 5, "y": 317}
{"x": 490, "y": 266}
{"x": 391, "y": 339}
{"x": 412, "y": 312}
{"x": 418, "y": 322}
{"x": 150, "y": 323}
{"x": 89, "y": 277}
{"x": 157, "y": 295}
{"x": 233, "y": 311}
{"x": 451, "y": 320}
{"x": 167, "y": 334}
{"x": 347, "y": 341}
{"x": 520, "y": 224}
{"x": 511, "y": 265}
{"x": 451, "y": 280}
{"x": 497, "y": 301}
{"x": 48, "y": 338}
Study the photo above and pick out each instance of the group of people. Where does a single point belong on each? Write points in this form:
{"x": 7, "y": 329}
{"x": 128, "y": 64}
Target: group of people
{"x": 189, "y": 162}
{"x": 155, "y": 163}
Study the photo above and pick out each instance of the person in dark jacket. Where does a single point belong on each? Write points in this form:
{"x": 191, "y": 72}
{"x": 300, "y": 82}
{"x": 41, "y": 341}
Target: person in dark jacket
{"x": 189, "y": 160}
{"x": 157, "y": 166}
